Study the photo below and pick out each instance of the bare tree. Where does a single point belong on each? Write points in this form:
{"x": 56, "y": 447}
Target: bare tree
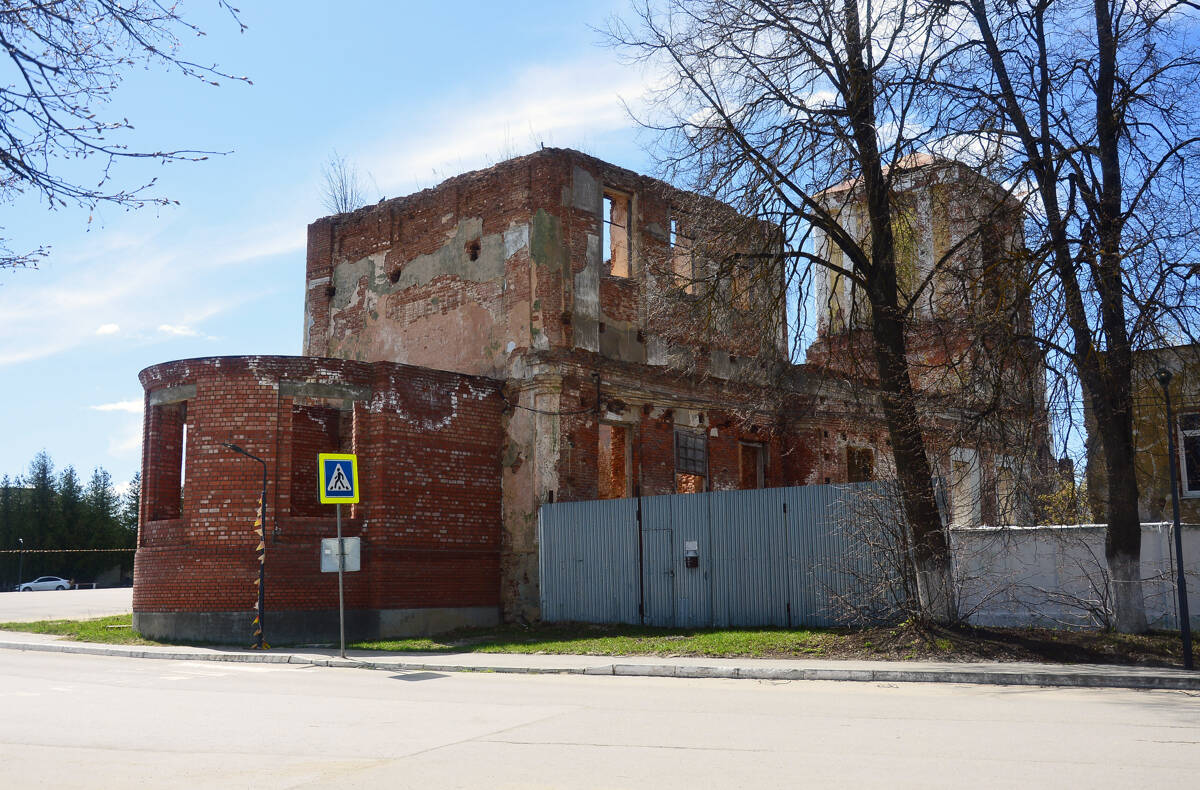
{"x": 342, "y": 188}
{"x": 65, "y": 60}
{"x": 1089, "y": 107}
{"x": 799, "y": 113}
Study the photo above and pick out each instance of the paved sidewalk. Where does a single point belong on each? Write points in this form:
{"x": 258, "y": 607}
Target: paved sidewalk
{"x": 995, "y": 673}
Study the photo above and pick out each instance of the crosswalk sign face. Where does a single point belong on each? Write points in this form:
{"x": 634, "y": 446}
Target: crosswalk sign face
{"x": 339, "y": 478}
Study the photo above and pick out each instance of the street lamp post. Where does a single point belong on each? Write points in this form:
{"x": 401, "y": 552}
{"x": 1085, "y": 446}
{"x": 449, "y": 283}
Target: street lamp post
{"x": 262, "y": 559}
{"x": 20, "y": 562}
{"x": 1185, "y": 625}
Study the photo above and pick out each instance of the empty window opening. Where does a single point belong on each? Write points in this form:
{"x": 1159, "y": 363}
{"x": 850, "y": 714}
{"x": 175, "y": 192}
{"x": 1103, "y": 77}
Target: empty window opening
{"x": 163, "y": 487}
{"x": 616, "y": 230}
{"x": 1006, "y": 493}
{"x": 682, "y": 260}
{"x": 964, "y": 488}
{"x": 395, "y": 275}
{"x": 615, "y": 461}
{"x": 751, "y": 465}
{"x": 691, "y": 462}
{"x": 1189, "y": 451}
{"x": 835, "y": 296}
{"x": 860, "y": 464}
{"x": 742, "y": 281}
{"x": 473, "y": 248}
{"x": 317, "y": 427}
{"x": 183, "y": 442}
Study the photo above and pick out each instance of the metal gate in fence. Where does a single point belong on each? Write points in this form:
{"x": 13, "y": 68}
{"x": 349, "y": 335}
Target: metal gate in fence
{"x": 776, "y": 556}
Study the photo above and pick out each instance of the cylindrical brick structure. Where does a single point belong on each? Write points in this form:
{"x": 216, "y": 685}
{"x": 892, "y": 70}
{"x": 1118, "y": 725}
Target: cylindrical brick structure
{"x": 428, "y": 444}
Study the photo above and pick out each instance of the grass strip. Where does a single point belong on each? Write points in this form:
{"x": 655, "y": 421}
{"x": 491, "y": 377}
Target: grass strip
{"x": 617, "y": 641}
{"x": 894, "y": 643}
{"x": 113, "y": 630}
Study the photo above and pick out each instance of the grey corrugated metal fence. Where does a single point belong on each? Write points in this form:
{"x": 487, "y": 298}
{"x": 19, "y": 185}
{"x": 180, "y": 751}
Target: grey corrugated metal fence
{"x": 777, "y": 556}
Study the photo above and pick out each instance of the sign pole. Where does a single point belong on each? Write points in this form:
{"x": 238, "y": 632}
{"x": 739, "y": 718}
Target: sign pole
{"x": 338, "y": 474}
{"x": 341, "y": 569}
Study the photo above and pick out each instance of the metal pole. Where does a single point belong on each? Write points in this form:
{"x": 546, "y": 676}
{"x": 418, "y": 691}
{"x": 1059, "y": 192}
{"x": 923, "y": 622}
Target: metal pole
{"x": 20, "y": 562}
{"x": 341, "y": 568}
{"x": 1185, "y": 621}
{"x": 262, "y": 566}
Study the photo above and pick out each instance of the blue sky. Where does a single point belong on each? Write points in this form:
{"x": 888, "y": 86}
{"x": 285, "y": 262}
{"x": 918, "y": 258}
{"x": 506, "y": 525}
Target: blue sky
{"x": 412, "y": 93}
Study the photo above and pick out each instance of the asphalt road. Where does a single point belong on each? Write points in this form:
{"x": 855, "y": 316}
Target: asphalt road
{"x": 25, "y": 607}
{"x": 103, "y": 722}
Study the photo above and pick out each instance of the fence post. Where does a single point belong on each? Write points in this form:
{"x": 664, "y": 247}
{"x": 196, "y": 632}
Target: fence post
{"x": 637, "y": 492}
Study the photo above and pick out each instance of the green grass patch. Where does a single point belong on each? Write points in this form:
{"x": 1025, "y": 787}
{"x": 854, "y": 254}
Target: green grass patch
{"x": 895, "y": 643}
{"x": 583, "y": 639}
{"x": 114, "y": 630}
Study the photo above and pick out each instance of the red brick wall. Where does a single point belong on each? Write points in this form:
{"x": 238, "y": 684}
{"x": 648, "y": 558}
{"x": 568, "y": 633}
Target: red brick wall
{"x": 652, "y": 425}
{"x": 315, "y": 430}
{"x": 428, "y": 445}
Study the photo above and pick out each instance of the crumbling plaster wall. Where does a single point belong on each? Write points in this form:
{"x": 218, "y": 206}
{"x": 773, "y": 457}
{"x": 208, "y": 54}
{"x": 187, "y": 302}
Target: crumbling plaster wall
{"x": 501, "y": 273}
{"x": 489, "y": 265}
{"x": 487, "y": 274}
{"x": 1151, "y": 457}
{"x": 940, "y": 210}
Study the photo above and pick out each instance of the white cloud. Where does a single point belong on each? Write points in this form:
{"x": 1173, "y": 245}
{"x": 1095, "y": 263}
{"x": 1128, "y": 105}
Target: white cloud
{"x": 280, "y": 238}
{"x": 128, "y": 441}
{"x": 163, "y": 272}
{"x": 166, "y": 275}
{"x": 131, "y": 406}
{"x": 543, "y": 104}
{"x": 179, "y": 330}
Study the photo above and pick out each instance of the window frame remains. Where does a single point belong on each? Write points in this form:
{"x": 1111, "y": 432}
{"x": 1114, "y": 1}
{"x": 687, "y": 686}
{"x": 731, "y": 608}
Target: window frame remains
{"x": 691, "y": 457}
{"x": 1189, "y": 443}
{"x": 615, "y": 237}
{"x": 625, "y": 432}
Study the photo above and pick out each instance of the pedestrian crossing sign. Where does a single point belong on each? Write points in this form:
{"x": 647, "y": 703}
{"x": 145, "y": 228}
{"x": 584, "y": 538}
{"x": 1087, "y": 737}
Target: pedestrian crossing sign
{"x": 339, "y": 478}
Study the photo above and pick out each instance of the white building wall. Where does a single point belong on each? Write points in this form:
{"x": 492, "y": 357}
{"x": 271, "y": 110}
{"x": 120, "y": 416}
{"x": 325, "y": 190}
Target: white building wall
{"x": 1057, "y": 576}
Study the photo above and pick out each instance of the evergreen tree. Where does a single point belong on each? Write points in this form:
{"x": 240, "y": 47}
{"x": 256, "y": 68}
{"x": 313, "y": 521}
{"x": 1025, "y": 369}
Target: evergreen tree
{"x": 38, "y": 512}
{"x": 130, "y": 505}
{"x": 8, "y": 530}
{"x": 68, "y": 529}
{"x": 101, "y": 509}
{"x": 56, "y": 512}
{"x": 8, "y": 526}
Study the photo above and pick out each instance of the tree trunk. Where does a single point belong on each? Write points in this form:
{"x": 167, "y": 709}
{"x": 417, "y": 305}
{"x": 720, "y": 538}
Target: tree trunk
{"x": 1123, "y": 541}
{"x": 930, "y": 549}
{"x": 1123, "y": 538}
{"x": 1105, "y": 376}
{"x": 931, "y": 552}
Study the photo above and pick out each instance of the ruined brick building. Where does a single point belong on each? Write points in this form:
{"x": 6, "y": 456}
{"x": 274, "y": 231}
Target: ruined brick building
{"x": 514, "y": 336}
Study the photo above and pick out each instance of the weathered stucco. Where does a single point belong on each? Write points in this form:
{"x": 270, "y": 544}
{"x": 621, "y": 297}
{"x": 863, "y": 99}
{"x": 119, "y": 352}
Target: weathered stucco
{"x": 1150, "y": 435}
{"x": 445, "y": 309}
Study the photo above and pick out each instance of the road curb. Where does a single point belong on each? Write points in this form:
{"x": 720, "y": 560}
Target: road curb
{"x": 1163, "y": 679}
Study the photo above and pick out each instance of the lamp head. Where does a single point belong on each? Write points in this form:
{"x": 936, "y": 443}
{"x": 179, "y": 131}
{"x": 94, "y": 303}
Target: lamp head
{"x": 1164, "y": 376}
{"x": 233, "y": 447}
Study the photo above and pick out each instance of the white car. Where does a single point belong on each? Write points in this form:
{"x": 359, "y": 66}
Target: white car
{"x": 44, "y": 583}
